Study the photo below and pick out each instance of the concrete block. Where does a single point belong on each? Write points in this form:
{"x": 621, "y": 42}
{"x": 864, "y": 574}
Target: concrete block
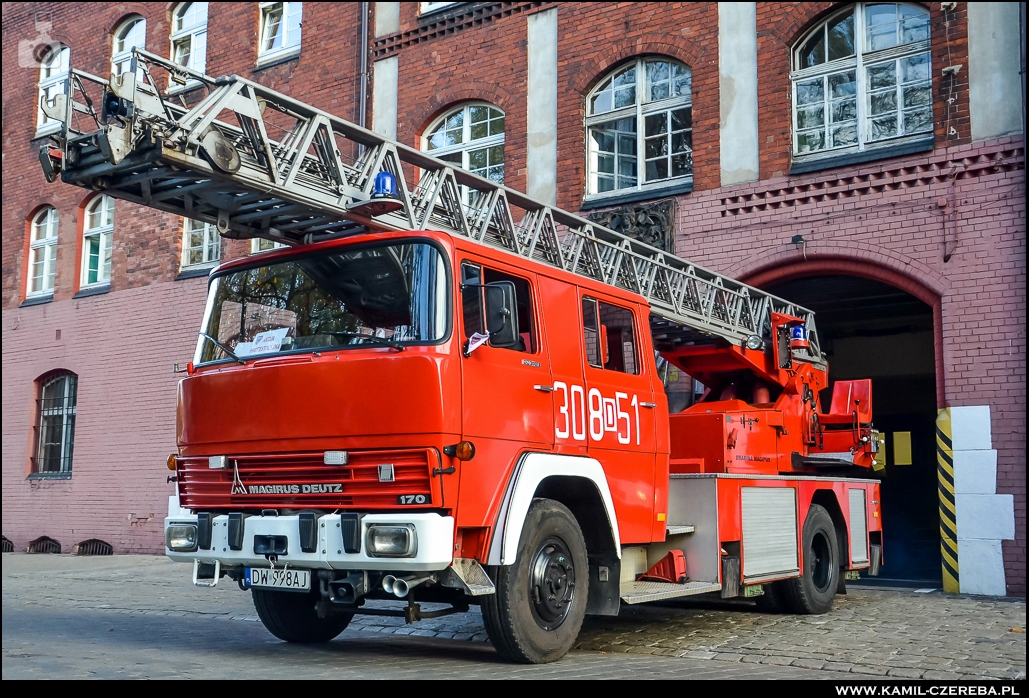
{"x": 385, "y": 78}
{"x": 975, "y": 472}
{"x": 970, "y": 428}
{"x": 985, "y": 517}
{"x": 981, "y": 567}
{"x": 541, "y": 108}
{"x": 387, "y": 18}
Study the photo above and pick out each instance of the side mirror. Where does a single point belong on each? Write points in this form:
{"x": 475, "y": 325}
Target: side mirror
{"x": 502, "y": 314}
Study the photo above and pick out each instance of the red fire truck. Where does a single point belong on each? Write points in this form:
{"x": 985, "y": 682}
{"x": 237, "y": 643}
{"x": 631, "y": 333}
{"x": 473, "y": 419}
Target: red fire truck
{"x": 453, "y": 393}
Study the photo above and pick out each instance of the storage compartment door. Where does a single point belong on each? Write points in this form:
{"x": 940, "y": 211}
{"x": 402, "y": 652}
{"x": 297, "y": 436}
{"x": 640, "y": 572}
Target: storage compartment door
{"x": 769, "y": 531}
{"x": 858, "y": 528}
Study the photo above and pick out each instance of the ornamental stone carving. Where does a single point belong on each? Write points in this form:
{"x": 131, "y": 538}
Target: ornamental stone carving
{"x": 651, "y": 223}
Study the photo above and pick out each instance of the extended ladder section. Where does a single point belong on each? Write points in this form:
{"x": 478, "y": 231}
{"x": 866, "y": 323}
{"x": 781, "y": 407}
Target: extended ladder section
{"x": 257, "y": 163}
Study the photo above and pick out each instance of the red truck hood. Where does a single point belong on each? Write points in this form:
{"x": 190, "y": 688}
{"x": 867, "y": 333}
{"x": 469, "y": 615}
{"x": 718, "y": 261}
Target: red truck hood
{"x": 296, "y": 402}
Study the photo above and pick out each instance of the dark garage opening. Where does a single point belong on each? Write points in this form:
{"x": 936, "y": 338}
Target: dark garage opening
{"x": 869, "y": 329}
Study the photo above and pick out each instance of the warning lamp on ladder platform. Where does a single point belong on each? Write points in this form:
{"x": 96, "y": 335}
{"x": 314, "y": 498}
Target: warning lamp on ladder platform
{"x": 384, "y": 197}
{"x": 798, "y": 337}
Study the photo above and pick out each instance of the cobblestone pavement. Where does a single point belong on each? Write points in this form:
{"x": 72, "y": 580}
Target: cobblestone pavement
{"x": 138, "y": 616}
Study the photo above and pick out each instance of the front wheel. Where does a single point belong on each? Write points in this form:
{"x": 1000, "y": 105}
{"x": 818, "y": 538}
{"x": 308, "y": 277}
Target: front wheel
{"x": 291, "y": 616}
{"x": 813, "y": 592}
{"x": 540, "y": 601}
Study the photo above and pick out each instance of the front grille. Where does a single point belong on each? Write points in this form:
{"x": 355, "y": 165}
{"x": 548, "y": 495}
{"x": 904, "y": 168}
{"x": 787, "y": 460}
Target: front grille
{"x": 303, "y": 481}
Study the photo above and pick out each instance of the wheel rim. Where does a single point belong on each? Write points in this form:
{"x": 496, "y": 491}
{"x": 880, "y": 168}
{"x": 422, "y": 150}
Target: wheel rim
{"x": 822, "y": 563}
{"x": 551, "y": 583}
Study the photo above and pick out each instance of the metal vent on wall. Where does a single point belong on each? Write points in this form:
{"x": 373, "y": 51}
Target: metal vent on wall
{"x": 44, "y": 544}
{"x": 93, "y": 546}
{"x": 8, "y": 546}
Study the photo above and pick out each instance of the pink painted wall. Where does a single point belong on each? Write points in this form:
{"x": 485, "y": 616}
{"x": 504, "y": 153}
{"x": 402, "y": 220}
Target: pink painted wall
{"x": 123, "y": 346}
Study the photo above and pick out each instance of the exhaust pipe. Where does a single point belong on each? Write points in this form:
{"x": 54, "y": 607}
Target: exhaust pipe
{"x": 400, "y": 587}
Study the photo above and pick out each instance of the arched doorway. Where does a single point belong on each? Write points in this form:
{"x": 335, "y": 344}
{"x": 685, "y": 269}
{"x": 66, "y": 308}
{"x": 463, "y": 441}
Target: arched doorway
{"x": 872, "y": 329}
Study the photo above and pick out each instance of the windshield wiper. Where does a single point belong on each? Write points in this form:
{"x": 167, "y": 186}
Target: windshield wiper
{"x": 221, "y": 346}
{"x": 375, "y": 340}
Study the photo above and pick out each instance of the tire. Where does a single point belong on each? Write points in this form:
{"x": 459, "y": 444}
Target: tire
{"x": 773, "y": 600}
{"x": 813, "y": 592}
{"x": 540, "y": 601}
{"x": 291, "y": 616}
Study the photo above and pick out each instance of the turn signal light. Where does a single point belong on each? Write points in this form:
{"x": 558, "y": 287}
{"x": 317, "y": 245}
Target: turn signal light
{"x": 463, "y": 450}
{"x": 171, "y": 461}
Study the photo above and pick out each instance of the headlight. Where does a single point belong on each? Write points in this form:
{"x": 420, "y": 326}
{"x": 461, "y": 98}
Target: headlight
{"x": 181, "y": 537}
{"x": 391, "y": 541}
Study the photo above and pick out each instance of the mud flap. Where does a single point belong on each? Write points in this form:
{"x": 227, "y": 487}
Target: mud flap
{"x": 605, "y": 584}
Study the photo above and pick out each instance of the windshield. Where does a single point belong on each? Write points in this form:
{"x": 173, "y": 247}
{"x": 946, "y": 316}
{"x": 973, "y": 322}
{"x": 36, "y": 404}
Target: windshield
{"x": 386, "y": 294}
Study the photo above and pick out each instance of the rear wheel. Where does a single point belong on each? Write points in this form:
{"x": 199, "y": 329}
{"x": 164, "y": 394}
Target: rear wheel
{"x": 290, "y": 616}
{"x": 814, "y": 590}
{"x": 540, "y": 601}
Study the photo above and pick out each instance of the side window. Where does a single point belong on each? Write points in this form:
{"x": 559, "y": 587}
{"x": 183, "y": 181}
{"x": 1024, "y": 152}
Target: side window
{"x": 609, "y": 336}
{"x": 473, "y": 302}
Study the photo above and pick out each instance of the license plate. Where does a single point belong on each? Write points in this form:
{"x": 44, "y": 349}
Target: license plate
{"x": 284, "y": 579}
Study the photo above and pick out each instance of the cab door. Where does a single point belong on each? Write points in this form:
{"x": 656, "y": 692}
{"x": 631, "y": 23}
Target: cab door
{"x": 620, "y": 410}
{"x": 503, "y": 399}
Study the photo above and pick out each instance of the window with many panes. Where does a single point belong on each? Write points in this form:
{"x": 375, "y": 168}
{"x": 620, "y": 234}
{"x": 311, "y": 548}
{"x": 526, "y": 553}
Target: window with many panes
{"x": 42, "y": 252}
{"x": 280, "y": 29}
{"x": 97, "y": 239}
{"x": 129, "y": 35}
{"x": 472, "y": 138}
{"x": 201, "y": 243}
{"x": 609, "y": 337}
{"x": 53, "y": 72}
{"x": 862, "y": 79}
{"x": 55, "y": 424}
{"x": 621, "y": 157}
{"x": 189, "y": 35}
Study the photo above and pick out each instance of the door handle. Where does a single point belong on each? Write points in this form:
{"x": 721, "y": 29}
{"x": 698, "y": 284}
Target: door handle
{"x": 544, "y": 388}
{"x": 648, "y": 404}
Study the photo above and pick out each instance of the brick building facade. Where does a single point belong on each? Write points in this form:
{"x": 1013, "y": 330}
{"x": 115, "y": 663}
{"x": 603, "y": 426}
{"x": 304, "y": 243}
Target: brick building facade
{"x": 913, "y": 244}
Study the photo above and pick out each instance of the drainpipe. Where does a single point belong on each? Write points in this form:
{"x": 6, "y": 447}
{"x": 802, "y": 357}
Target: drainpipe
{"x": 363, "y": 96}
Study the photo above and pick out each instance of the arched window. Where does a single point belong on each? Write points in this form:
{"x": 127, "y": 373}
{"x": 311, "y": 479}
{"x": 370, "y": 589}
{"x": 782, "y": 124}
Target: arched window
{"x": 471, "y": 137}
{"x": 657, "y": 93}
{"x": 97, "y": 241}
{"x": 189, "y": 35}
{"x": 201, "y": 243}
{"x": 862, "y": 77}
{"x": 42, "y": 252}
{"x": 130, "y": 34}
{"x": 53, "y": 72}
{"x": 55, "y": 423}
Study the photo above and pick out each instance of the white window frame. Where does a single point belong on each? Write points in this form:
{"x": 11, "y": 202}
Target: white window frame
{"x": 467, "y": 145}
{"x": 210, "y": 247}
{"x": 258, "y": 245}
{"x": 639, "y": 110}
{"x": 105, "y": 247}
{"x": 51, "y": 82}
{"x": 860, "y": 62}
{"x": 121, "y": 51}
{"x": 425, "y": 8}
{"x": 42, "y": 250}
{"x": 290, "y": 39}
{"x": 194, "y": 35}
